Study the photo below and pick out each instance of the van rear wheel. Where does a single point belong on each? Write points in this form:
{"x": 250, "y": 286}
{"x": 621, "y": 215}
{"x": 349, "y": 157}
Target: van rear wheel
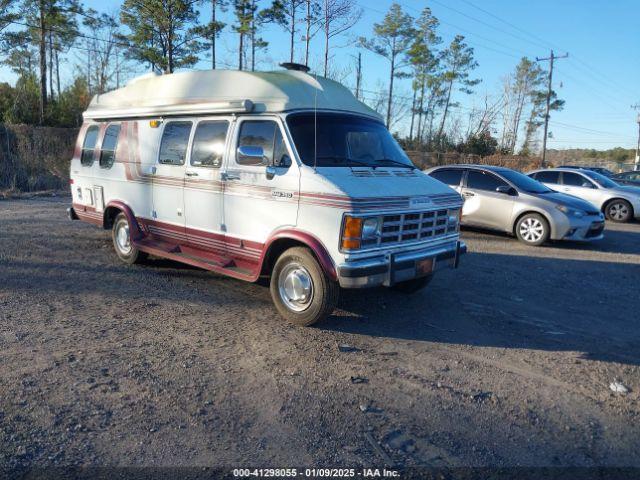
{"x": 125, "y": 250}
{"x": 301, "y": 291}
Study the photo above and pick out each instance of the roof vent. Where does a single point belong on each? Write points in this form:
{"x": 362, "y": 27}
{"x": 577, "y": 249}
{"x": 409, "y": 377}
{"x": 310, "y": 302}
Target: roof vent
{"x": 142, "y": 77}
{"x": 298, "y": 67}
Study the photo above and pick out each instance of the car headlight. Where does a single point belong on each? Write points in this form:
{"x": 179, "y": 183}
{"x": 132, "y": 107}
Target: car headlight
{"x": 571, "y": 212}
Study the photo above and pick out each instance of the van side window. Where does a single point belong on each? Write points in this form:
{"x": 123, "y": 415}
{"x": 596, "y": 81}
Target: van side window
{"x": 109, "y": 145}
{"x": 89, "y": 145}
{"x": 257, "y": 133}
{"x": 208, "y": 144}
{"x": 173, "y": 146}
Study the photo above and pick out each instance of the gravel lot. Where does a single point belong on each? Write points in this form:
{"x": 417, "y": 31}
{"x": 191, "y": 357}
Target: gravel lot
{"x": 505, "y": 362}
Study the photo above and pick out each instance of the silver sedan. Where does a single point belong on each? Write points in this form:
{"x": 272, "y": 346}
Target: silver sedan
{"x": 502, "y": 199}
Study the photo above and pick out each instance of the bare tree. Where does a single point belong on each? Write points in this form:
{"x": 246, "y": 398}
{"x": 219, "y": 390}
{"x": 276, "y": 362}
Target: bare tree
{"x": 337, "y": 16}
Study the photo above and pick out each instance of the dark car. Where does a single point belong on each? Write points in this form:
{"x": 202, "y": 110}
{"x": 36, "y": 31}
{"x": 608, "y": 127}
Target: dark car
{"x": 628, "y": 178}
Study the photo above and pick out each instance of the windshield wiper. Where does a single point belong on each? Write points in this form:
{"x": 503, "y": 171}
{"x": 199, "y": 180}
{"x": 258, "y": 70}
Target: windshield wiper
{"x": 396, "y": 162}
{"x": 346, "y": 159}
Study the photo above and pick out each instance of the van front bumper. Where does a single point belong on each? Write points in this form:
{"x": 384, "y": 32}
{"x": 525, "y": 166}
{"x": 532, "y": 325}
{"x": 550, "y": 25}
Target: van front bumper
{"x": 389, "y": 269}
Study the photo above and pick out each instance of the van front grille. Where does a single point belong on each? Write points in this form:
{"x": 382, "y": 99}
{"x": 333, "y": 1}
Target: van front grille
{"x": 411, "y": 227}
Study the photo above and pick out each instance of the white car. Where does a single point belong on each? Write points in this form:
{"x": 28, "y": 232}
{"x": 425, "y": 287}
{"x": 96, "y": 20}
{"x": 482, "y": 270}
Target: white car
{"x": 618, "y": 202}
{"x": 251, "y": 174}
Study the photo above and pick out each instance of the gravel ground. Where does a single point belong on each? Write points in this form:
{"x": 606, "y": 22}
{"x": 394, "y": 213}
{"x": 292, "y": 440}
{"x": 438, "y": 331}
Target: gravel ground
{"x": 506, "y": 362}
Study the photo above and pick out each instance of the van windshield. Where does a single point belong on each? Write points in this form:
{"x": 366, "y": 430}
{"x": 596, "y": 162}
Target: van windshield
{"x": 343, "y": 140}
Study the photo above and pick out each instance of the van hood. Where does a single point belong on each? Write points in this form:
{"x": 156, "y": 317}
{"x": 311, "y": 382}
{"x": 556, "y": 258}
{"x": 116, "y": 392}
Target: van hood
{"x": 567, "y": 201}
{"x": 380, "y": 188}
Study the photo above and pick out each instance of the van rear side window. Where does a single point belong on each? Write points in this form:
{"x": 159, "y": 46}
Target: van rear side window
{"x": 173, "y": 147}
{"x": 208, "y": 143}
{"x": 89, "y": 145}
{"x": 109, "y": 145}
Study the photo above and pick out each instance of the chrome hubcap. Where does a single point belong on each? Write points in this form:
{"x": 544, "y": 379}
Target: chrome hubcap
{"x": 531, "y": 229}
{"x": 618, "y": 211}
{"x": 295, "y": 287}
{"x": 123, "y": 242}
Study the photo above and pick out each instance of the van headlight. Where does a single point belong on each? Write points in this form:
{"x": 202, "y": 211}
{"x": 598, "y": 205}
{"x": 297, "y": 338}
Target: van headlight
{"x": 571, "y": 212}
{"x": 370, "y": 228}
{"x": 356, "y": 230}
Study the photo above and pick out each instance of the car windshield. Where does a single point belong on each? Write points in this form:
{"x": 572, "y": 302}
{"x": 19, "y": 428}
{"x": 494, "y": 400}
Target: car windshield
{"x": 524, "y": 183}
{"x": 600, "y": 179}
{"x": 342, "y": 140}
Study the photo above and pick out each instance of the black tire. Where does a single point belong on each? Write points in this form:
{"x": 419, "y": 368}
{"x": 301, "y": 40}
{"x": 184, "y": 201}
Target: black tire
{"x": 298, "y": 265}
{"x": 619, "y": 211}
{"x": 128, "y": 255}
{"x": 532, "y": 229}
{"x": 412, "y": 286}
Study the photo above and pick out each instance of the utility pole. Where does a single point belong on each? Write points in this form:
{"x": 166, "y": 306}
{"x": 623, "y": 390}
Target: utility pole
{"x": 358, "y": 76}
{"x": 636, "y": 164}
{"x": 551, "y": 58}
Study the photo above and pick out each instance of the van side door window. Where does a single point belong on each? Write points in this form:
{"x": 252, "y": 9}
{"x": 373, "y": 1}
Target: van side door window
{"x": 109, "y": 146}
{"x": 89, "y": 145}
{"x": 255, "y": 135}
{"x": 174, "y": 143}
{"x": 209, "y": 142}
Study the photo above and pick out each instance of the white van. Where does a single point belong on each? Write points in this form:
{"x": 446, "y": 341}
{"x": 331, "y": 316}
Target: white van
{"x": 279, "y": 174}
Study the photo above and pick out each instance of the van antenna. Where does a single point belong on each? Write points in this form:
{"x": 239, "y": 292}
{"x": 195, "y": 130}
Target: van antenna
{"x": 315, "y": 129}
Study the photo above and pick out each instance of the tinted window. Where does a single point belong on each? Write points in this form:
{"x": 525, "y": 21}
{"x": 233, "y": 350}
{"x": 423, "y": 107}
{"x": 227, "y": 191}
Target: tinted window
{"x": 483, "y": 181}
{"x": 606, "y": 182}
{"x": 524, "y": 183}
{"x": 173, "y": 147}
{"x": 109, "y": 145}
{"x": 575, "y": 180}
{"x": 547, "y": 177}
{"x": 89, "y": 145}
{"x": 450, "y": 177}
{"x": 339, "y": 140}
{"x": 208, "y": 144}
{"x": 261, "y": 134}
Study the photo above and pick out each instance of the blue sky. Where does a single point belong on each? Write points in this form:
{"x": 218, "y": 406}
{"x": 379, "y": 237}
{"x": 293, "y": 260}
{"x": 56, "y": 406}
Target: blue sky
{"x": 599, "y": 81}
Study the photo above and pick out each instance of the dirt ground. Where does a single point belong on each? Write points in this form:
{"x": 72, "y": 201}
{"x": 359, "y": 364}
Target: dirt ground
{"x": 505, "y": 362}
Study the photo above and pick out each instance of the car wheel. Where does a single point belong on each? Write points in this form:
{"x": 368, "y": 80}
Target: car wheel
{"x": 301, "y": 291}
{"x": 413, "y": 285}
{"x": 126, "y": 251}
{"x": 619, "y": 211}
{"x": 532, "y": 229}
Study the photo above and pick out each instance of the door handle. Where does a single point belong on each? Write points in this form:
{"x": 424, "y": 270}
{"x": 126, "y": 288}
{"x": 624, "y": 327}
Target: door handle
{"x": 191, "y": 174}
{"x": 230, "y": 176}
{"x": 468, "y": 194}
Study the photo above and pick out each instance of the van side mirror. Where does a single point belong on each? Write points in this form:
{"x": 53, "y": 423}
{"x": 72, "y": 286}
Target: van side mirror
{"x": 507, "y": 190}
{"x": 250, "y": 155}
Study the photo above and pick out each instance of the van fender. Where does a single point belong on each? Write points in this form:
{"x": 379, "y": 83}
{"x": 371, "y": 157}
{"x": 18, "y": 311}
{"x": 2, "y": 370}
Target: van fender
{"x": 307, "y": 239}
{"x": 134, "y": 229}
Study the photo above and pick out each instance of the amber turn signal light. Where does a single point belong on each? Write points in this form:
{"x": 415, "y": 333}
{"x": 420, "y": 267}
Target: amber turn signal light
{"x": 351, "y": 233}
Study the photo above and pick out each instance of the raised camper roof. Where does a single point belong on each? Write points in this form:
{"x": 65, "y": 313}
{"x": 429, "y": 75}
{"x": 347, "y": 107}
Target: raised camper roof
{"x": 224, "y": 91}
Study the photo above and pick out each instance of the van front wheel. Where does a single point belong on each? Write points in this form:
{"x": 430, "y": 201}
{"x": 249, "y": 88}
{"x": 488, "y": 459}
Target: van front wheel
{"x": 300, "y": 290}
{"x": 126, "y": 251}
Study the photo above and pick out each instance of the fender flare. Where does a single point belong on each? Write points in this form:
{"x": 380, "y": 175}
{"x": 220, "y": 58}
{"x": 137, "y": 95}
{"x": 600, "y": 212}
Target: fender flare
{"x": 311, "y": 241}
{"x": 135, "y": 232}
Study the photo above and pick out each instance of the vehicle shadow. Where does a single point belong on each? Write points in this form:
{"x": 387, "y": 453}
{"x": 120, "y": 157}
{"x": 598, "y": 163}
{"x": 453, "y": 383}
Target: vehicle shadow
{"x": 509, "y": 301}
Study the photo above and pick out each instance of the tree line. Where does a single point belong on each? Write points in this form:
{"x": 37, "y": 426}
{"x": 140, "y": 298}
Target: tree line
{"x": 39, "y": 38}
